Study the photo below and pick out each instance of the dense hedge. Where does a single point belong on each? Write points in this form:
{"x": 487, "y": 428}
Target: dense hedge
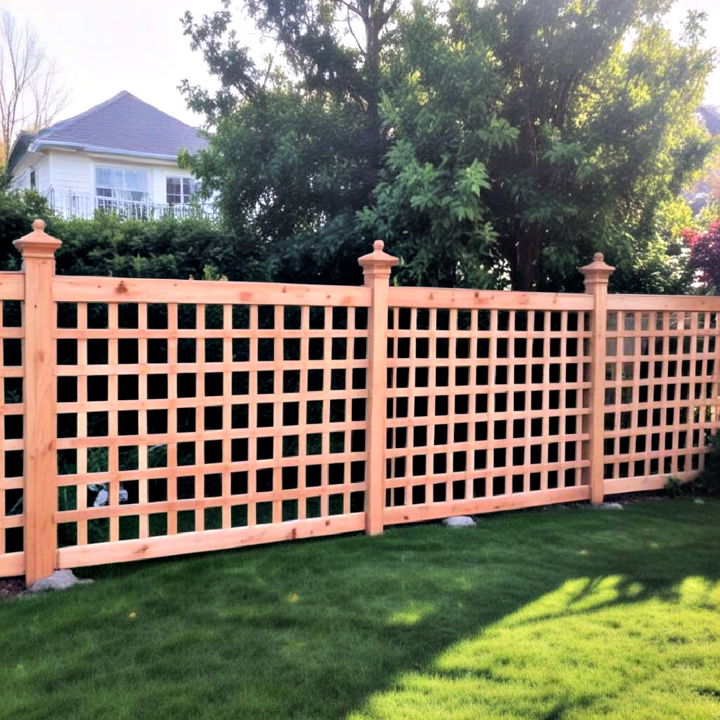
{"x": 17, "y": 211}
{"x": 109, "y": 245}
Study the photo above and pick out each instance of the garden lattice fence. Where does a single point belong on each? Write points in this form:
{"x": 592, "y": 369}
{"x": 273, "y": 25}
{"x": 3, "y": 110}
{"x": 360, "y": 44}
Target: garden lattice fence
{"x": 145, "y": 418}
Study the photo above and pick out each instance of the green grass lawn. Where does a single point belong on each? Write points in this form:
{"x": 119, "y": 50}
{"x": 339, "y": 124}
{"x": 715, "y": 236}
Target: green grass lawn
{"x": 558, "y": 614}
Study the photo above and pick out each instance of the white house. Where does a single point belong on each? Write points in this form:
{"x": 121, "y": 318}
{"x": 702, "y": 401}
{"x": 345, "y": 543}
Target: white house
{"x": 119, "y": 156}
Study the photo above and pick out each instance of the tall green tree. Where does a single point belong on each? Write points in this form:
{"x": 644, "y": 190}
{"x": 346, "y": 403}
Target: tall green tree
{"x": 441, "y": 107}
{"x": 589, "y": 137}
{"x": 296, "y": 145}
{"x": 497, "y": 143}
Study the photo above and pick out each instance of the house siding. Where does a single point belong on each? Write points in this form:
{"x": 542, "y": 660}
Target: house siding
{"x": 68, "y": 178}
{"x": 21, "y": 174}
{"x": 70, "y": 173}
{"x": 20, "y": 179}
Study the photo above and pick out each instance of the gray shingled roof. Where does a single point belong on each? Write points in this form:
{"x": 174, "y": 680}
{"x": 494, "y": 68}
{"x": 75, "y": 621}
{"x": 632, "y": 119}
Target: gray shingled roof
{"x": 19, "y": 148}
{"x": 124, "y": 123}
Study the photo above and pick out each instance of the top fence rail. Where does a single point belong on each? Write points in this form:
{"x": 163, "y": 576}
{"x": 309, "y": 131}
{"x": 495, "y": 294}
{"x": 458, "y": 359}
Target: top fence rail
{"x": 134, "y": 290}
{"x": 486, "y": 299}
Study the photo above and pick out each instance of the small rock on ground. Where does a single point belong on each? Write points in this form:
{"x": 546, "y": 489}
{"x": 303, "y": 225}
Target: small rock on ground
{"x": 59, "y": 580}
{"x": 608, "y": 506}
{"x": 459, "y": 521}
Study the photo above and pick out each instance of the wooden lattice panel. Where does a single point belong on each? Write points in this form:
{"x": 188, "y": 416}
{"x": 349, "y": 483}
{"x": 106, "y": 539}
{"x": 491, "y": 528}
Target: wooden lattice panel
{"x": 146, "y": 418}
{"x": 181, "y": 423}
{"x": 661, "y": 395}
{"x": 486, "y": 407}
{"x": 12, "y": 446}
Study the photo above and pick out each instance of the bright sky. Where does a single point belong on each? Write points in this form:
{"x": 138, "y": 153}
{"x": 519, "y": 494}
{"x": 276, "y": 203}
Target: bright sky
{"x": 102, "y": 48}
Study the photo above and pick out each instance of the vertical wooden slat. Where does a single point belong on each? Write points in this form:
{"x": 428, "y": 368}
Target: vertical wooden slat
{"x": 38, "y": 252}
{"x": 597, "y": 275}
{"x": 376, "y": 270}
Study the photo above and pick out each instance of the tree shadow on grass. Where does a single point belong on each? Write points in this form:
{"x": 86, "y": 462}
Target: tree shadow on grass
{"x": 355, "y": 627}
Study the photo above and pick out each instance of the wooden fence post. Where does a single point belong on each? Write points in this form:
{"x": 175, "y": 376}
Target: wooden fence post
{"x": 376, "y": 271}
{"x": 597, "y": 275}
{"x": 40, "y": 496}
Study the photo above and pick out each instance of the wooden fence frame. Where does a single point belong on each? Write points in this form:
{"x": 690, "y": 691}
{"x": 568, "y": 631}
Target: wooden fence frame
{"x": 694, "y": 318}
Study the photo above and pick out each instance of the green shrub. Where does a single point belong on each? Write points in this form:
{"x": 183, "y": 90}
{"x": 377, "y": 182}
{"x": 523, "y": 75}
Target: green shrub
{"x": 18, "y": 208}
{"x": 674, "y": 487}
{"x": 108, "y": 245}
{"x": 707, "y": 482}
{"x": 709, "y": 479}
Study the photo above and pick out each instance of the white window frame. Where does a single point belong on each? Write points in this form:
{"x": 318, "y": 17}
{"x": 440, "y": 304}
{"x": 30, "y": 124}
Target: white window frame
{"x": 188, "y": 187}
{"x": 112, "y": 194}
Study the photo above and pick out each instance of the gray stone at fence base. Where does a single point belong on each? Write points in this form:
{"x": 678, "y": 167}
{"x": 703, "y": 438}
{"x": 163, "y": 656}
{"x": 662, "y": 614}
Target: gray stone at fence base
{"x": 459, "y": 521}
{"x": 608, "y": 506}
{"x": 698, "y": 501}
{"x": 59, "y": 580}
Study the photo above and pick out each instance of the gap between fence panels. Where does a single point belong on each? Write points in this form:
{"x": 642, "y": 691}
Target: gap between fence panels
{"x": 147, "y": 418}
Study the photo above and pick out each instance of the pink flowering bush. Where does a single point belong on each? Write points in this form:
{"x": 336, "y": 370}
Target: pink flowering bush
{"x": 705, "y": 253}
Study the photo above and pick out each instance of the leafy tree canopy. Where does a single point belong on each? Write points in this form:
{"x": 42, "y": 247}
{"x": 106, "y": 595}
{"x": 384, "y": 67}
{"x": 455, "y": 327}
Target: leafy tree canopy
{"x": 492, "y": 143}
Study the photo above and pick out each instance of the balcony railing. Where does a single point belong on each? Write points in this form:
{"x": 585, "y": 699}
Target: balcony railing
{"x": 72, "y": 205}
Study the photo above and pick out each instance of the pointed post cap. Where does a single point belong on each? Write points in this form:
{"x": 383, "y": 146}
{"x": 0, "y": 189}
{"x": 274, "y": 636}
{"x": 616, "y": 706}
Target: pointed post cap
{"x": 378, "y": 262}
{"x": 598, "y": 271}
{"x": 37, "y": 244}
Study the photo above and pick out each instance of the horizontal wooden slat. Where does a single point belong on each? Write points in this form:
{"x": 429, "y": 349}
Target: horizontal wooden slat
{"x": 488, "y": 472}
{"x": 198, "y": 334}
{"x": 11, "y": 483}
{"x": 12, "y": 445}
{"x": 93, "y": 478}
{"x": 491, "y": 444}
{"x": 494, "y": 334}
{"x": 510, "y": 387}
{"x": 486, "y": 299}
{"x": 209, "y": 367}
{"x": 12, "y": 564}
{"x": 194, "y": 542}
{"x": 150, "y": 440}
{"x": 640, "y": 484}
{"x": 207, "y": 401}
{"x": 129, "y": 509}
{"x": 11, "y": 521}
{"x": 142, "y": 290}
{"x": 475, "y": 417}
{"x": 12, "y": 285}
{"x": 672, "y": 303}
{"x": 517, "y": 501}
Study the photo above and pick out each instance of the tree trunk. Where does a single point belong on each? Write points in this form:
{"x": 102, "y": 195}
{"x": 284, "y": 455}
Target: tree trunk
{"x": 374, "y": 22}
{"x": 524, "y": 259}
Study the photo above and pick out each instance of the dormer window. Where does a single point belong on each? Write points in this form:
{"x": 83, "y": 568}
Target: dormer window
{"x": 179, "y": 190}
